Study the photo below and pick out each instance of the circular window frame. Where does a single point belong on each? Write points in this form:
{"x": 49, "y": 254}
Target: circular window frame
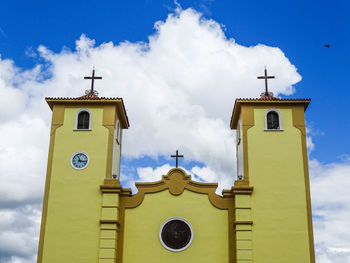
{"x": 76, "y": 168}
{"x": 161, "y": 229}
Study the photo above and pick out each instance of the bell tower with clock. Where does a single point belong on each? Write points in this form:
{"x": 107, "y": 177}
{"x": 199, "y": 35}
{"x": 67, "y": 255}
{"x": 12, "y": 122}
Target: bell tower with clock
{"x": 84, "y": 151}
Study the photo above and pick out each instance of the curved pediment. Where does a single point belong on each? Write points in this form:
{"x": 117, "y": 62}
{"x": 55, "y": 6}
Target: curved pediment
{"x": 176, "y": 181}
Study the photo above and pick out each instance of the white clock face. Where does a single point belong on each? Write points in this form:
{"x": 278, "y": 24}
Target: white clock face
{"x": 79, "y": 160}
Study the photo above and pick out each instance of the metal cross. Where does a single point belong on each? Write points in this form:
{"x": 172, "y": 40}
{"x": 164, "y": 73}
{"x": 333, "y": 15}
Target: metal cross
{"x": 266, "y": 77}
{"x": 92, "y": 81}
{"x": 177, "y": 157}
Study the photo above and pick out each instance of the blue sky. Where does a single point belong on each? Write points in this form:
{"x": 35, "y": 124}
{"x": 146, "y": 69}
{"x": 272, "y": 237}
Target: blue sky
{"x": 163, "y": 57}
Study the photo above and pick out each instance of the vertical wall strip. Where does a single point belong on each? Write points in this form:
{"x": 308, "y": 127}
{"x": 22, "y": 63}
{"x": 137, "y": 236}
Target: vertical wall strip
{"x": 243, "y": 225}
{"x": 109, "y": 222}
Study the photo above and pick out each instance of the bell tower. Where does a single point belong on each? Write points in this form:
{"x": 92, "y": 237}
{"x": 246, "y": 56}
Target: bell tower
{"x": 84, "y": 151}
{"x": 272, "y": 161}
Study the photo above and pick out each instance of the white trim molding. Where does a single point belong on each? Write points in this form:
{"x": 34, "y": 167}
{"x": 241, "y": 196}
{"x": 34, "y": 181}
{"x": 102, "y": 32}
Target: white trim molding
{"x": 161, "y": 229}
{"x": 118, "y": 130}
{"x": 279, "y": 120}
{"x": 76, "y": 120}
{"x": 238, "y": 133}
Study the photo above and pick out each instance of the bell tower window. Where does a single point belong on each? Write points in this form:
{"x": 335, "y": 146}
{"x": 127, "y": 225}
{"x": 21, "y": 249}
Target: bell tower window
{"x": 83, "y": 120}
{"x": 273, "y": 120}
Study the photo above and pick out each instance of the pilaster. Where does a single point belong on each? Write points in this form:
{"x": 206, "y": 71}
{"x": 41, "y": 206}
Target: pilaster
{"x": 243, "y": 224}
{"x": 109, "y": 221}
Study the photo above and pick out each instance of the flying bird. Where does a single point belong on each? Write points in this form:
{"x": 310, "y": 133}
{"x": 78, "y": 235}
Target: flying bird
{"x": 327, "y": 46}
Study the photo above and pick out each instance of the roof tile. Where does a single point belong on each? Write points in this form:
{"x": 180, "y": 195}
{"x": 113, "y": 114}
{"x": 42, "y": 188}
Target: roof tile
{"x": 85, "y": 97}
{"x": 269, "y": 98}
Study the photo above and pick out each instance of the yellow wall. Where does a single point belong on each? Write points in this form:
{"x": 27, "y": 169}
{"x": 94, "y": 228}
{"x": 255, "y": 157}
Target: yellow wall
{"x": 279, "y": 209}
{"x": 142, "y": 224}
{"x": 74, "y": 204}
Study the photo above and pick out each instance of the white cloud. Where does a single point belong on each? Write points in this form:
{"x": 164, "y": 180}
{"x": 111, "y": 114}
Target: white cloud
{"x": 19, "y": 233}
{"x": 13, "y": 100}
{"x": 148, "y": 174}
{"x": 178, "y": 88}
{"x": 23, "y": 154}
{"x": 330, "y": 186}
{"x": 311, "y": 132}
{"x": 309, "y": 144}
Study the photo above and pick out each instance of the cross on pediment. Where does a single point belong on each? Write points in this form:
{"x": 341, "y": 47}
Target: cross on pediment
{"x": 93, "y": 77}
{"x": 266, "y": 77}
{"x": 177, "y": 156}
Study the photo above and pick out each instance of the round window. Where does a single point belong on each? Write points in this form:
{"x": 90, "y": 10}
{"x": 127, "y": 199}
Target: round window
{"x": 176, "y": 234}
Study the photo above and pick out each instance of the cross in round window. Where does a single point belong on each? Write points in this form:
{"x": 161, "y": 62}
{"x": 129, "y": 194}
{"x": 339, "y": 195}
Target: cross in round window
{"x": 176, "y": 234}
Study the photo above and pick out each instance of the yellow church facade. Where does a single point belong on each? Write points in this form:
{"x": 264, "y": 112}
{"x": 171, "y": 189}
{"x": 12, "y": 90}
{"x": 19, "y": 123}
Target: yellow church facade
{"x": 89, "y": 217}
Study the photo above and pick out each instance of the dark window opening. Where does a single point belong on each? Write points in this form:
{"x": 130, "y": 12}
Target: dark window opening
{"x": 273, "y": 122}
{"x": 83, "y": 120}
{"x": 176, "y": 234}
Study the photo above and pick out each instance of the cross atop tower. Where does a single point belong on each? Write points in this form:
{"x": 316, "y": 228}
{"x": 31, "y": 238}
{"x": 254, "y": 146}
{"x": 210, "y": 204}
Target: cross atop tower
{"x": 93, "y": 77}
{"x": 266, "y": 93}
{"x": 177, "y": 157}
